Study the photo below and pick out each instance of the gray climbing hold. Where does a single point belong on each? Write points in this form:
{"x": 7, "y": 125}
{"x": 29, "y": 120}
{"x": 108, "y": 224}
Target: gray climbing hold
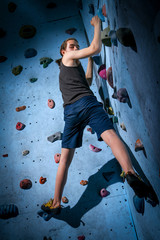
{"x": 56, "y": 136}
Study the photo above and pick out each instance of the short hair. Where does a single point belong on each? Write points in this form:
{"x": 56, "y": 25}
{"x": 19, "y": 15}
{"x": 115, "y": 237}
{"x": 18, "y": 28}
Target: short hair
{"x": 64, "y": 44}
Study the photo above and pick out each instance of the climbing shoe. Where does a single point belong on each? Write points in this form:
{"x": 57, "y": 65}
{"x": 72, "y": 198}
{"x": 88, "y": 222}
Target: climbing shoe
{"x": 141, "y": 189}
{"x": 47, "y": 207}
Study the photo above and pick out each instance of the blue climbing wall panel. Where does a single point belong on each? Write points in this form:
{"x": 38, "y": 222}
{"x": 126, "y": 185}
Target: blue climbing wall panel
{"x": 86, "y": 213}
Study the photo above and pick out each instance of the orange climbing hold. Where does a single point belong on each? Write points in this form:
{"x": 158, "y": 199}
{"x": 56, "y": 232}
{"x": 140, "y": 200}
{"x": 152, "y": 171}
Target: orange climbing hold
{"x": 51, "y": 103}
{"x": 57, "y": 157}
{"x": 83, "y": 182}
{"x": 65, "y": 200}
{"x": 42, "y": 180}
{"x": 139, "y": 145}
{"x": 18, "y": 109}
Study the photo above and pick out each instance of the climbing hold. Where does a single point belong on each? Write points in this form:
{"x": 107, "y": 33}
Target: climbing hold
{"x": 25, "y": 184}
{"x": 114, "y": 119}
{"x": 17, "y": 70}
{"x": 42, "y": 180}
{"x": 45, "y": 61}
{"x": 12, "y": 7}
{"x": 18, "y": 109}
{"x": 30, "y": 52}
{"x": 139, "y": 145}
{"x": 56, "y": 136}
{"x": 51, "y": 5}
{"x": 51, "y": 103}
{"x": 108, "y": 175}
{"x": 90, "y": 130}
{"x": 20, "y": 126}
{"x": 27, "y": 31}
{"x": 104, "y": 10}
{"x": 126, "y": 38}
{"x": 25, "y": 152}
{"x": 100, "y": 14}
{"x": 122, "y": 96}
{"x": 91, "y": 9}
{"x": 97, "y": 59}
{"x": 81, "y": 237}
{"x": 32, "y": 80}
{"x": 5, "y": 155}
{"x": 57, "y": 157}
{"x": 104, "y": 192}
{"x": 110, "y": 111}
{"x": 139, "y": 204}
{"x": 102, "y": 71}
{"x": 2, "y": 33}
{"x": 94, "y": 149}
{"x": 106, "y": 40}
{"x": 8, "y": 211}
{"x": 65, "y": 200}
{"x": 3, "y": 59}
{"x": 123, "y": 126}
{"x": 113, "y": 36}
{"x": 109, "y": 77}
{"x": 83, "y": 182}
{"x": 70, "y": 31}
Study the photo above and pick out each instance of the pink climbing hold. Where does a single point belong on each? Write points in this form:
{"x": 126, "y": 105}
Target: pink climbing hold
{"x": 51, "y": 103}
{"x": 94, "y": 149}
{"x": 57, "y": 157}
{"x": 109, "y": 77}
{"x": 104, "y": 192}
{"x": 102, "y": 72}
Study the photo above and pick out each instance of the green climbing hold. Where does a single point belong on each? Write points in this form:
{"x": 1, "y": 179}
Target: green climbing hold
{"x": 45, "y": 61}
{"x": 115, "y": 119}
{"x": 32, "y": 80}
{"x": 17, "y": 70}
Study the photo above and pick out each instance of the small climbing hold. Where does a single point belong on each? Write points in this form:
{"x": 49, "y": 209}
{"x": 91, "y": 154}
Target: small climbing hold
{"x": 3, "y": 59}
{"x": 32, "y": 80}
{"x": 90, "y": 130}
{"x": 20, "y": 126}
{"x": 45, "y": 61}
{"x": 81, "y": 237}
{"x": 12, "y": 7}
{"x": 102, "y": 71}
{"x": 114, "y": 119}
{"x": 18, "y": 109}
{"x": 8, "y": 211}
{"x": 57, "y": 157}
{"x": 91, "y": 9}
{"x": 2, "y": 33}
{"x": 139, "y": 204}
{"x": 94, "y": 149}
{"x": 25, "y": 152}
{"x": 42, "y": 180}
{"x": 106, "y": 40}
{"x": 139, "y": 145}
{"x": 108, "y": 175}
{"x": 104, "y": 10}
{"x": 122, "y": 96}
{"x": 113, "y": 36}
{"x": 109, "y": 77}
{"x": 97, "y": 59}
{"x": 51, "y": 5}
{"x": 123, "y": 126}
{"x": 30, "y": 52}
{"x": 25, "y": 184}
{"x": 56, "y": 136}
{"x": 70, "y": 31}
{"x": 110, "y": 111}
{"x": 83, "y": 182}
{"x": 51, "y": 103}
{"x": 65, "y": 200}
{"x": 126, "y": 38}
{"x": 27, "y": 31}
{"x": 17, "y": 70}
{"x": 100, "y": 14}
{"x": 5, "y": 155}
{"x": 103, "y": 192}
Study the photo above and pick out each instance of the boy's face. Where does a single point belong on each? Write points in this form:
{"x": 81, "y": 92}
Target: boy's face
{"x": 72, "y": 45}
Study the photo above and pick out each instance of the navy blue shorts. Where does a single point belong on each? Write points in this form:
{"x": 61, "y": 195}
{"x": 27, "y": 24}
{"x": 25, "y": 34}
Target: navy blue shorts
{"x": 85, "y": 111}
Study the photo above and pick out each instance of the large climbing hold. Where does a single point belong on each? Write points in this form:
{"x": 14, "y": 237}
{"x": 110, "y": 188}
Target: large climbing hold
{"x": 106, "y": 39}
{"x": 8, "y": 211}
{"x": 126, "y": 38}
{"x": 27, "y": 31}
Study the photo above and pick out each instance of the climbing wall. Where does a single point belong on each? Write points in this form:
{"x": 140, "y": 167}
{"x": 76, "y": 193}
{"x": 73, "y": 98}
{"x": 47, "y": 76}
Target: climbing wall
{"x": 28, "y": 79}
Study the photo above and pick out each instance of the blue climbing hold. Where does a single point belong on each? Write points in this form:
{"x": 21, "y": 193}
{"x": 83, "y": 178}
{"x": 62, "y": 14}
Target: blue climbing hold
{"x": 30, "y": 52}
{"x": 8, "y": 211}
{"x": 100, "y": 14}
{"x": 139, "y": 204}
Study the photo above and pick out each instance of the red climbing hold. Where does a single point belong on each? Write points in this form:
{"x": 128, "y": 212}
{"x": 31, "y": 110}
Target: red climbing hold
{"x": 5, "y": 155}
{"x": 20, "y": 126}
{"x": 139, "y": 145}
{"x": 57, "y": 157}
{"x": 65, "y": 200}
{"x": 104, "y": 192}
{"x": 94, "y": 149}
{"x": 25, "y": 184}
{"x": 71, "y": 30}
{"x": 42, "y": 180}
{"x": 51, "y": 103}
{"x": 81, "y": 237}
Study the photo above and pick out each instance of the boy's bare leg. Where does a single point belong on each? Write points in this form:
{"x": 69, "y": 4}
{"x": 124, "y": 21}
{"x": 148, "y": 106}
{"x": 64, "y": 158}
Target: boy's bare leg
{"x": 61, "y": 177}
{"x": 118, "y": 149}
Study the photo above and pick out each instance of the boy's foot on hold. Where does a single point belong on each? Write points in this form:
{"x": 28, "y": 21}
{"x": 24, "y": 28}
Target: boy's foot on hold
{"x": 141, "y": 189}
{"x": 48, "y": 207}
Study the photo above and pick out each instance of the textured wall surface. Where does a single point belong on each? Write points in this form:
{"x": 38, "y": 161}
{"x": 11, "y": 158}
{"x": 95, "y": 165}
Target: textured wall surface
{"x": 87, "y": 214}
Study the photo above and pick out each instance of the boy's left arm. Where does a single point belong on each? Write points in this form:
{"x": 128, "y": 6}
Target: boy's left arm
{"x": 89, "y": 72}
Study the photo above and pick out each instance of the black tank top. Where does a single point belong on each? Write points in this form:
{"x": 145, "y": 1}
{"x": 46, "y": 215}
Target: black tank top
{"x": 73, "y": 83}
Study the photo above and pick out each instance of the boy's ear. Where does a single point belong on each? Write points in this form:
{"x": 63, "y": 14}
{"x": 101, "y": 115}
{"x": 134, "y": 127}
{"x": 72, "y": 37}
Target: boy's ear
{"x": 63, "y": 52}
